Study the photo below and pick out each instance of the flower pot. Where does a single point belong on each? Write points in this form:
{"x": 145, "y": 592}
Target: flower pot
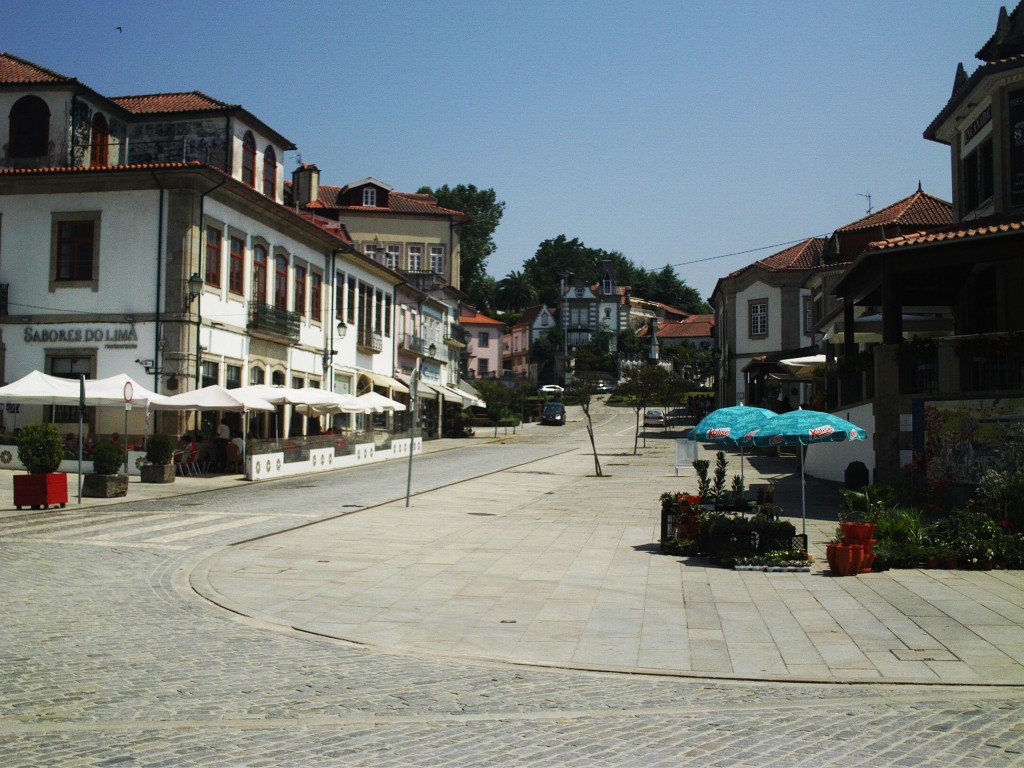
{"x": 104, "y": 486}
{"x": 157, "y": 473}
{"x": 843, "y": 557}
{"x": 41, "y": 490}
{"x": 869, "y": 545}
{"x": 867, "y": 562}
{"x": 856, "y": 558}
{"x": 830, "y": 555}
{"x": 952, "y": 563}
{"x": 851, "y": 531}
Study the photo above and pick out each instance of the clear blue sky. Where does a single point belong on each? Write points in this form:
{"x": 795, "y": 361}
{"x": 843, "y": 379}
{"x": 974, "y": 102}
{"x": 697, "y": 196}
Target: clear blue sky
{"x": 670, "y": 131}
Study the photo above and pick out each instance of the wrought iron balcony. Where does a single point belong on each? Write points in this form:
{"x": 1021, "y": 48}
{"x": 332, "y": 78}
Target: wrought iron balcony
{"x": 456, "y": 333}
{"x": 411, "y": 343}
{"x": 367, "y": 341}
{"x": 270, "y": 319}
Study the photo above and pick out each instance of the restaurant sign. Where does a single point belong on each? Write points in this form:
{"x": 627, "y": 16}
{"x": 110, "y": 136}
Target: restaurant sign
{"x": 111, "y": 338}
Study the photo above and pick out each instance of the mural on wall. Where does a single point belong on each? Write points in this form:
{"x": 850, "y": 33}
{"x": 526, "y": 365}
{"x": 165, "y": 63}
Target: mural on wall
{"x": 955, "y": 440}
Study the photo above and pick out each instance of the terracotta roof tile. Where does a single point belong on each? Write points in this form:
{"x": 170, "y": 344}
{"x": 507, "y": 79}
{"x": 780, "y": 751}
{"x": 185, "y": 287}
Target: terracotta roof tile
{"x": 398, "y": 202}
{"x": 917, "y": 210}
{"x": 686, "y": 330}
{"x": 162, "y": 103}
{"x": 472, "y": 317}
{"x": 17, "y": 70}
{"x": 959, "y": 232}
{"x": 804, "y": 255}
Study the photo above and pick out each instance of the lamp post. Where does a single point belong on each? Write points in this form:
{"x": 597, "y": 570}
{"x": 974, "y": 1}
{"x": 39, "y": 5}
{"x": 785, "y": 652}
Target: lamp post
{"x": 414, "y": 384}
{"x": 329, "y": 350}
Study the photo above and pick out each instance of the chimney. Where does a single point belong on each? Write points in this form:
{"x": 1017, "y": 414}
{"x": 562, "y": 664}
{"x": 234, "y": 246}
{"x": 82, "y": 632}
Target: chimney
{"x": 305, "y": 184}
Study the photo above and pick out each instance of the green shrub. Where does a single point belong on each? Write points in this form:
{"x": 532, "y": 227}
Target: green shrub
{"x": 41, "y": 448}
{"x": 160, "y": 449}
{"x": 107, "y": 459}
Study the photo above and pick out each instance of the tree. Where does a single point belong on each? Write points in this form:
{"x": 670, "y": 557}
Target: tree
{"x": 560, "y": 256}
{"x": 583, "y": 387}
{"x": 515, "y": 292}
{"x": 476, "y": 238}
{"x": 498, "y": 399}
{"x": 643, "y": 386}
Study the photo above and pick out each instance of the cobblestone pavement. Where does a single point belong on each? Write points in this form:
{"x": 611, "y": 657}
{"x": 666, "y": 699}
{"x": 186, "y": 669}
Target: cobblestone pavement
{"x": 108, "y": 658}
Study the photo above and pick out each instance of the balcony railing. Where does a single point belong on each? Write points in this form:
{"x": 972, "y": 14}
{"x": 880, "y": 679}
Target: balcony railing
{"x": 368, "y": 341}
{"x": 4, "y": 292}
{"x": 457, "y": 334}
{"x": 271, "y": 319}
{"x": 411, "y": 343}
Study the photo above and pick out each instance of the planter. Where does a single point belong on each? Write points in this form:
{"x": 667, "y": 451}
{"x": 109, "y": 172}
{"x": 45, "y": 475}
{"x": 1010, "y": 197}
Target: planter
{"x": 41, "y": 490}
{"x": 104, "y": 486}
{"x": 843, "y": 557}
{"x": 856, "y": 559}
{"x": 157, "y": 473}
{"x": 830, "y": 555}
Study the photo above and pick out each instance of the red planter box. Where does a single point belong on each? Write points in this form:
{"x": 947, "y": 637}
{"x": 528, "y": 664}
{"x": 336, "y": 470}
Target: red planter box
{"x": 41, "y": 490}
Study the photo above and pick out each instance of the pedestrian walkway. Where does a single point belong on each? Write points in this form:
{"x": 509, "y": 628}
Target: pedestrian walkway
{"x": 549, "y": 565}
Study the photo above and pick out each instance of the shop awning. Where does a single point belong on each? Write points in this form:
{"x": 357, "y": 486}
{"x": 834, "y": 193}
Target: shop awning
{"x": 388, "y": 382}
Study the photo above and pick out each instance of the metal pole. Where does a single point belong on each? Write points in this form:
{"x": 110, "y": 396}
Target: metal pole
{"x": 414, "y": 386}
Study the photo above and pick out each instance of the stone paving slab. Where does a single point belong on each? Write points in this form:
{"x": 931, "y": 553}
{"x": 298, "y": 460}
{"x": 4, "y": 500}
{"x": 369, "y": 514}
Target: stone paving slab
{"x": 550, "y": 565}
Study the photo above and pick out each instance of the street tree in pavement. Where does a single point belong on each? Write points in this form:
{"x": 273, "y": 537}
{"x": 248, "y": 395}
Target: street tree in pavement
{"x": 643, "y": 386}
{"x": 583, "y": 388}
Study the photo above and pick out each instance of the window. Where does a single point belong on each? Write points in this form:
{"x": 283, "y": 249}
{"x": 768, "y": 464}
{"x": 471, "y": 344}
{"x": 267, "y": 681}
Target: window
{"x": 99, "y": 145}
{"x": 484, "y": 339}
{"x": 606, "y": 285}
{"x": 369, "y": 197}
{"x": 316, "y": 292}
{"x": 238, "y": 265}
{"x": 370, "y": 251}
{"x": 300, "y": 291}
{"x": 759, "y": 318}
{"x": 69, "y": 368}
{"x": 249, "y": 160}
{"x": 339, "y": 296}
{"x": 808, "y": 315}
{"x": 232, "y": 376}
{"x": 483, "y": 367}
{"x": 257, "y": 375}
{"x": 259, "y": 274}
{"x": 351, "y": 300}
{"x": 29, "y": 128}
{"x": 76, "y": 248}
{"x": 378, "y": 311}
{"x": 210, "y": 373}
{"x": 280, "y": 282}
{"x": 213, "y": 241}
{"x": 387, "y": 315}
{"x": 415, "y": 258}
{"x": 392, "y": 256}
{"x": 978, "y": 178}
{"x": 269, "y": 172}
{"x": 437, "y": 259}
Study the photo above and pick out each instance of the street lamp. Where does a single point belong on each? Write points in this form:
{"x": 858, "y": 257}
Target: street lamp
{"x": 414, "y": 385}
{"x": 329, "y": 350}
{"x": 195, "y": 290}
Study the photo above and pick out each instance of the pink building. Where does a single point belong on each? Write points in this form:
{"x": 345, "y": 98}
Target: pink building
{"x": 484, "y": 346}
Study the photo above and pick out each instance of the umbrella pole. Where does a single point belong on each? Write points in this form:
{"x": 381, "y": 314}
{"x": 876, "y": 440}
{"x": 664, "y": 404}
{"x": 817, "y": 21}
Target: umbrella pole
{"x": 803, "y": 491}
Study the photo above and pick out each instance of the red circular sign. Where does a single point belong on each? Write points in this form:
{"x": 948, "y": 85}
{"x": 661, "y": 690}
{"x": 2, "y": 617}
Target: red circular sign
{"x": 128, "y": 391}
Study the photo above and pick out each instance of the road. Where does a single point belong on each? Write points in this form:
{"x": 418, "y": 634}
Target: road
{"x": 109, "y": 659}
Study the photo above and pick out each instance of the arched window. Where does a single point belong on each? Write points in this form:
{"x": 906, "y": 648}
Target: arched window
{"x": 281, "y": 282}
{"x": 99, "y": 149}
{"x": 30, "y": 128}
{"x": 257, "y": 375}
{"x": 259, "y": 274}
{"x": 270, "y": 172}
{"x": 249, "y": 160}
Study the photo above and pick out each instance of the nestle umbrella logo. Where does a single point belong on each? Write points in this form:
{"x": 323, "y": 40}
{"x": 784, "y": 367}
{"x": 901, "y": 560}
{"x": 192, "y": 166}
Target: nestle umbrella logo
{"x": 776, "y": 440}
{"x": 821, "y": 431}
{"x": 719, "y": 432}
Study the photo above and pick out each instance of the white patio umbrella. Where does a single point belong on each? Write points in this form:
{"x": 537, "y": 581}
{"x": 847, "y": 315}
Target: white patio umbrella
{"x": 338, "y": 402}
{"x": 380, "y": 403}
{"x": 41, "y": 388}
{"x": 803, "y": 367}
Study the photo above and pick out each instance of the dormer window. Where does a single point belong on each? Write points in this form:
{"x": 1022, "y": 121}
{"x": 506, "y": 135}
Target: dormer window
{"x": 100, "y": 142}
{"x": 249, "y": 160}
{"x": 369, "y": 197}
{"x": 29, "y": 128}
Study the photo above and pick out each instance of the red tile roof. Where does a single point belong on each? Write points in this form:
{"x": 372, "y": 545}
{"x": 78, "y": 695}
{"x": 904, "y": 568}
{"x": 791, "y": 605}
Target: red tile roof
{"x": 960, "y": 232}
{"x": 472, "y": 317}
{"x": 917, "y": 210}
{"x": 804, "y": 255}
{"x": 17, "y": 70}
{"x": 686, "y": 330}
{"x": 398, "y": 202}
{"x": 162, "y": 103}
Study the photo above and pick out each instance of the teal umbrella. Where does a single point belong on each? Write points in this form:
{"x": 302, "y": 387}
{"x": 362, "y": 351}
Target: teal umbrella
{"x": 728, "y": 426}
{"x": 803, "y": 428}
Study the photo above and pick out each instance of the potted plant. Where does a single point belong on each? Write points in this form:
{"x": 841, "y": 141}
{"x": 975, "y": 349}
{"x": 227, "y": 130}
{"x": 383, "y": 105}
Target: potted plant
{"x": 106, "y": 482}
{"x": 159, "y": 467}
{"x": 41, "y": 449}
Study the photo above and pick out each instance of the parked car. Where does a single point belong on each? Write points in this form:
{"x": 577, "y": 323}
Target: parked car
{"x": 553, "y": 413}
{"x": 605, "y": 388}
{"x": 655, "y": 417}
{"x": 551, "y": 389}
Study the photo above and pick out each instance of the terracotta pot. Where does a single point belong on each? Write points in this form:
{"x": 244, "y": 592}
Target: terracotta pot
{"x": 843, "y": 559}
{"x": 952, "y": 564}
{"x": 830, "y": 555}
{"x": 869, "y": 546}
{"x": 851, "y": 531}
{"x": 867, "y": 562}
{"x": 856, "y": 558}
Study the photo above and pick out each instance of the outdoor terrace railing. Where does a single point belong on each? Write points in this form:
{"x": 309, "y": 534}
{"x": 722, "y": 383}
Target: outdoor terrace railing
{"x": 271, "y": 319}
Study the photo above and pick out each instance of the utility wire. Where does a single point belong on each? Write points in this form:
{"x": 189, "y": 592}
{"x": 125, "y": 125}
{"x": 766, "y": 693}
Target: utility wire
{"x": 749, "y": 250}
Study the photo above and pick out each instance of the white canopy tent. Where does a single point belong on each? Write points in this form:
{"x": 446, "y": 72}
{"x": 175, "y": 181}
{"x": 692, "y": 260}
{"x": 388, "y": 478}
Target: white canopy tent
{"x": 378, "y": 402}
{"x": 213, "y": 398}
{"x": 43, "y": 389}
